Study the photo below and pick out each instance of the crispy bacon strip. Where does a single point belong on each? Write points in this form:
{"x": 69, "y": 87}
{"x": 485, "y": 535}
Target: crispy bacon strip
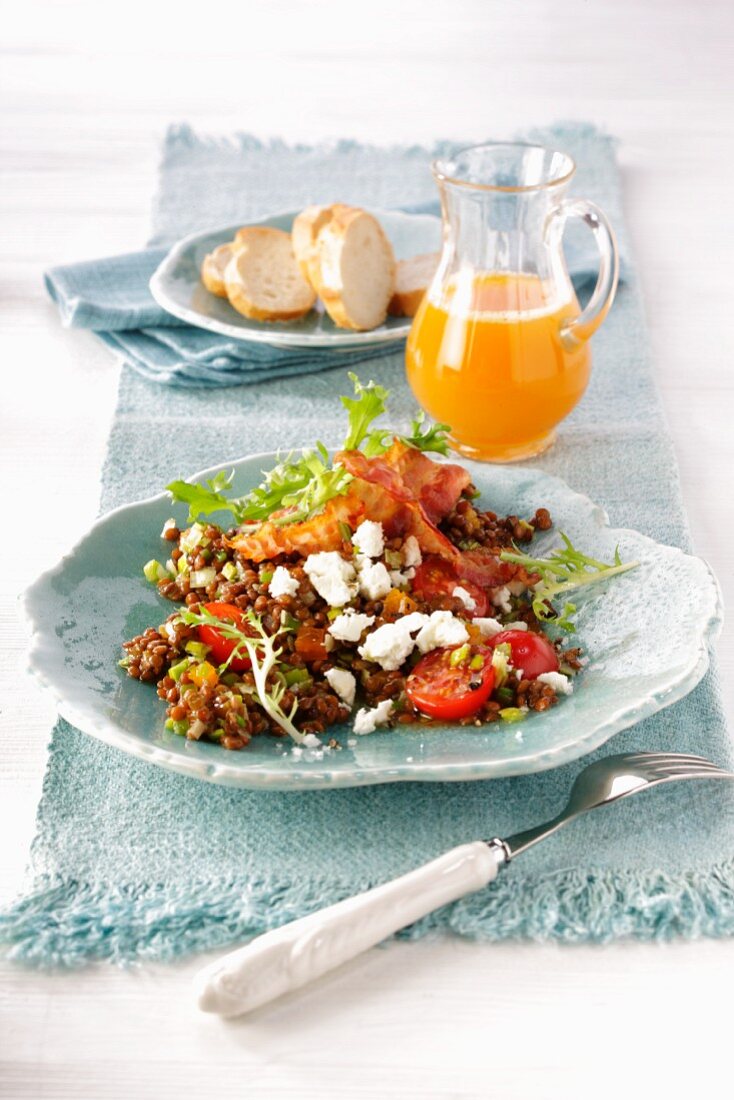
{"x": 404, "y": 491}
{"x": 437, "y": 486}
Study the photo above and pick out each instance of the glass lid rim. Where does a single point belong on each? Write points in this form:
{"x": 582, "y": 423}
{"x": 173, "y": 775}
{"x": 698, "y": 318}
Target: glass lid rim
{"x": 438, "y": 167}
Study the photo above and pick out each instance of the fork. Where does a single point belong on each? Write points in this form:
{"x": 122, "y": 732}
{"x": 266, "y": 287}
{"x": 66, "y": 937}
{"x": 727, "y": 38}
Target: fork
{"x": 296, "y": 953}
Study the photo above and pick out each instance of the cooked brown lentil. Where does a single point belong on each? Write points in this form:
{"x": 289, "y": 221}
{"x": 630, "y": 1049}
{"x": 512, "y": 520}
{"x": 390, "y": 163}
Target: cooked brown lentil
{"x": 227, "y": 710}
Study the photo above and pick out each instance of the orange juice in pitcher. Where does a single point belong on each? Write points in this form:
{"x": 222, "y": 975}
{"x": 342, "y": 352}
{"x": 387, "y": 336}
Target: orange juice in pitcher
{"x": 499, "y": 348}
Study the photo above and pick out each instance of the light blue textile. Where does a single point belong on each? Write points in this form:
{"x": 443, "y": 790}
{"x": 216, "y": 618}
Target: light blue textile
{"x": 111, "y": 296}
{"x": 133, "y": 862}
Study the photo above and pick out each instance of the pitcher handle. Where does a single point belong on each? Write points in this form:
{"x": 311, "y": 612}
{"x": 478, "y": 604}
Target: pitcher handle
{"x": 581, "y": 328}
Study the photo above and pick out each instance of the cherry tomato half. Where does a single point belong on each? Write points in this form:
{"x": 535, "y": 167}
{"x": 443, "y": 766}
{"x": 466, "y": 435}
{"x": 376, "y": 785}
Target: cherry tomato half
{"x": 220, "y": 647}
{"x": 435, "y": 577}
{"x": 442, "y": 690}
{"x": 531, "y": 652}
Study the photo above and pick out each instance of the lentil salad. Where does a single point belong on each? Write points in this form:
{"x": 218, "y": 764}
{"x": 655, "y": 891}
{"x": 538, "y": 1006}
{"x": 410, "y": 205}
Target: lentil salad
{"x": 373, "y": 586}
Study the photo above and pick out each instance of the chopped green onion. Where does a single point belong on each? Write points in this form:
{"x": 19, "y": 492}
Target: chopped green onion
{"x": 345, "y": 531}
{"x": 513, "y": 714}
{"x": 229, "y": 571}
{"x": 168, "y": 724}
{"x": 154, "y": 572}
{"x": 266, "y": 576}
{"x": 393, "y": 558}
{"x": 182, "y": 565}
{"x": 202, "y": 578}
{"x": 476, "y": 662}
{"x": 181, "y": 728}
{"x": 217, "y": 735}
{"x": 177, "y": 670}
{"x": 221, "y": 555}
{"x": 197, "y": 649}
{"x": 296, "y": 676}
{"x": 334, "y": 613}
{"x": 191, "y": 539}
{"x": 501, "y": 662}
{"x": 505, "y": 695}
{"x": 459, "y": 656}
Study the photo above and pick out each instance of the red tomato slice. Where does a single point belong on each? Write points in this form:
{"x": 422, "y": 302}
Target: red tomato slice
{"x": 531, "y": 652}
{"x": 436, "y": 577}
{"x": 221, "y": 647}
{"x": 441, "y": 690}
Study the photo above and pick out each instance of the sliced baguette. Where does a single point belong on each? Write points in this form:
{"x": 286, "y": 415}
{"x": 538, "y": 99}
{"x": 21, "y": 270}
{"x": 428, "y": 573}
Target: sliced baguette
{"x": 214, "y": 266}
{"x": 355, "y": 270}
{"x": 263, "y": 280}
{"x": 304, "y": 235}
{"x": 412, "y": 279}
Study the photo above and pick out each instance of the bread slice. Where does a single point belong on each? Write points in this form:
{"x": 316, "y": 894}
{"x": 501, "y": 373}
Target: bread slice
{"x": 263, "y": 280}
{"x": 412, "y": 279}
{"x": 214, "y": 266}
{"x": 355, "y": 272}
{"x": 304, "y": 235}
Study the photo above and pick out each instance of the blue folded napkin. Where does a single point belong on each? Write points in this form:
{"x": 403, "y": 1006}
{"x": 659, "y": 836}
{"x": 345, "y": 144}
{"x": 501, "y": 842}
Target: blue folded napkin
{"x": 111, "y": 296}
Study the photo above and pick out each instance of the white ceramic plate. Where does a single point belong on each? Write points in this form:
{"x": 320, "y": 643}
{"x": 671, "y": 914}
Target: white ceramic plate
{"x": 646, "y": 634}
{"x": 177, "y": 288}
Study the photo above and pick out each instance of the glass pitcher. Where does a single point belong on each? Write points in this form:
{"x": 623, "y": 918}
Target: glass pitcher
{"x": 499, "y": 348}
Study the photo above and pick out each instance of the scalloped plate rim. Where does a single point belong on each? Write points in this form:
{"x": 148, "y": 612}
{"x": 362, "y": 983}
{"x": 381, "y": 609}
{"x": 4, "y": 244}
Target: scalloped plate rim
{"x": 313, "y": 777}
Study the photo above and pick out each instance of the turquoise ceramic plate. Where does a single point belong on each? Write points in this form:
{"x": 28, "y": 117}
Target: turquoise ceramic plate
{"x": 177, "y": 288}
{"x": 646, "y": 635}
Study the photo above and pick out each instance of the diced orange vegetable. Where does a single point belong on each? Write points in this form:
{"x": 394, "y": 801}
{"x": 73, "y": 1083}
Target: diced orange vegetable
{"x": 204, "y": 673}
{"x": 398, "y": 603}
{"x": 475, "y": 635}
{"x": 310, "y": 643}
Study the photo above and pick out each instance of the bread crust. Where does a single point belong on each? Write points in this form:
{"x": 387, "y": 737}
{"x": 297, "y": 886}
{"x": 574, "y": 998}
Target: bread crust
{"x": 304, "y": 235}
{"x": 326, "y": 273}
{"x": 240, "y": 294}
{"x": 213, "y": 267}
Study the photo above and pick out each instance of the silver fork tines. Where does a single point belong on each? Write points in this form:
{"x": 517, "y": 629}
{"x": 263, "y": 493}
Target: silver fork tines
{"x": 616, "y": 777}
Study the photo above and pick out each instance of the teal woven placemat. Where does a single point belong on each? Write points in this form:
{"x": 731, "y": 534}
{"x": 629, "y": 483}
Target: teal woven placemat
{"x": 132, "y": 862}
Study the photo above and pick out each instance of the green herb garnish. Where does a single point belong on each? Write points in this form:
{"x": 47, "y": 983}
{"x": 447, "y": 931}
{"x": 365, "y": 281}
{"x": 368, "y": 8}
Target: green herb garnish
{"x": 434, "y": 438}
{"x": 263, "y": 652}
{"x": 564, "y": 569}
{"x": 300, "y": 486}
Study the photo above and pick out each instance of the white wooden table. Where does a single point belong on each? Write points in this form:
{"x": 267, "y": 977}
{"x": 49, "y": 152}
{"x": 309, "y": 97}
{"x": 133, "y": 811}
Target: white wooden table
{"x": 84, "y": 103}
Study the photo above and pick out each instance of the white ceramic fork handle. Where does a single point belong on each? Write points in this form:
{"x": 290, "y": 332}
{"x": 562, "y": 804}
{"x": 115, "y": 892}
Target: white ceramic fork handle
{"x": 291, "y": 956}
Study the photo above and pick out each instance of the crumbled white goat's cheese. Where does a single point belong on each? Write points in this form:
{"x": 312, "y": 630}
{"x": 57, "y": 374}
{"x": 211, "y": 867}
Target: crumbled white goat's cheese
{"x": 334, "y": 579}
{"x": 311, "y": 741}
{"x": 515, "y": 626}
{"x": 412, "y": 551}
{"x": 366, "y": 720}
{"x": 442, "y": 629}
{"x": 349, "y": 626}
{"x": 414, "y": 621}
{"x": 400, "y": 579}
{"x": 374, "y": 579}
{"x": 282, "y": 583}
{"x": 488, "y": 627}
{"x": 388, "y": 646}
{"x": 501, "y": 599}
{"x": 343, "y": 683}
{"x": 369, "y": 539}
{"x": 557, "y": 681}
{"x": 466, "y": 598}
